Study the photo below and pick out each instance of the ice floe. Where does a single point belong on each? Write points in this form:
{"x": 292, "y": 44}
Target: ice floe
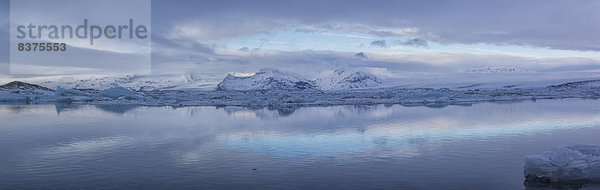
{"x": 577, "y": 163}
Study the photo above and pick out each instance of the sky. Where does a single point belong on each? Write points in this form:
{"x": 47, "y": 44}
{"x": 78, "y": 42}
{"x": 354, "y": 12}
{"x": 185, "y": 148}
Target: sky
{"x": 215, "y": 36}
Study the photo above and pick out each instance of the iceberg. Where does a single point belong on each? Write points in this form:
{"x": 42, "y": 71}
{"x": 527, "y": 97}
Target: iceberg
{"x": 69, "y": 92}
{"x": 577, "y": 163}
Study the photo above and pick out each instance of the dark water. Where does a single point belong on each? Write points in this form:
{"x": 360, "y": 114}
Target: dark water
{"x": 343, "y": 147}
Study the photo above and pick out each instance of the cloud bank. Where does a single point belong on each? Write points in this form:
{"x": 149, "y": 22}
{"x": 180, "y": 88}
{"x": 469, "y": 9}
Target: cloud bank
{"x": 402, "y": 36}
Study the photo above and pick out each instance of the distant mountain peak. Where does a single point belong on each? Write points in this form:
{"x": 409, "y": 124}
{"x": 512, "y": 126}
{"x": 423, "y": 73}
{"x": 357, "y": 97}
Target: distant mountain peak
{"x": 498, "y": 70}
{"x": 343, "y": 79}
{"x": 266, "y": 79}
{"x": 19, "y": 87}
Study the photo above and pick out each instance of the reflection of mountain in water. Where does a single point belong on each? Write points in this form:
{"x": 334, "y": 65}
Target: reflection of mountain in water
{"x": 17, "y": 108}
{"x": 437, "y": 105}
{"x": 60, "y": 107}
{"x": 284, "y": 110}
{"x": 262, "y": 112}
{"x": 266, "y": 112}
{"x": 119, "y": 109}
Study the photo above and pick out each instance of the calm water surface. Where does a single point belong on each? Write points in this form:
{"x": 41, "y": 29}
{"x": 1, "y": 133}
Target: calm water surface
{"x": 480, "y": 146}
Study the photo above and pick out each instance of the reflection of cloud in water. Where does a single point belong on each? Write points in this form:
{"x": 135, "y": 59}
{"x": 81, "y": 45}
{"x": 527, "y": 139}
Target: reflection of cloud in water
{"x": 103, "y": 144}
{"x": 381, "y": 112}
{"x": 246, "y": 113}
{"x": 241, "y": 114}
{"x": 338, "y": 130}
{"x": 19, "y": 108}
{"x": 406, "y": 143}
{"x": 406, "y": 131}
{"x": 339, "y": 144}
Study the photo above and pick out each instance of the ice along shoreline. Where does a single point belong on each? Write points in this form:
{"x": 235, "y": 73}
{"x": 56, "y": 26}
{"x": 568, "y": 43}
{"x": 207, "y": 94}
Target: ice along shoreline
{"x": 34, "y": 94}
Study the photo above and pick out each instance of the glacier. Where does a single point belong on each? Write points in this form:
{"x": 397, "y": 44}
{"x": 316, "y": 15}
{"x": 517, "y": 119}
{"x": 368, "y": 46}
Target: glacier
{"x": 266, "y": 79}
{"x": 347, "y": 79}
{"x": 286, "y": 97}
{"x": 577, "y": 163}
{"x": 271, "y": 87}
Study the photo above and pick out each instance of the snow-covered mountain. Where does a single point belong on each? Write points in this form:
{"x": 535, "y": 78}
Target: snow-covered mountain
{"x": 498, "y": 70}
{"x": 18, "y": 87}
{"x": 343, "y": 79}
{"x": 262, "y": 89}
{"x": 266, "y": 79}
{"x": 135, "y": 82}
{"x": 271, "y": 79}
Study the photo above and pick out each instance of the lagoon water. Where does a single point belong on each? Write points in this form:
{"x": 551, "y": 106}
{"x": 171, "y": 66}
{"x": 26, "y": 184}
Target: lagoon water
{"x": 479, "y": 146}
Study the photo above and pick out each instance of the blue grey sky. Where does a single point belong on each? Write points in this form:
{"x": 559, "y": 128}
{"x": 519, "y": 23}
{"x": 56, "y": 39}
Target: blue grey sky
{"x": 554, "y": 24}
{"x": 4, "y": 36}
{"x": 216, "y": 36}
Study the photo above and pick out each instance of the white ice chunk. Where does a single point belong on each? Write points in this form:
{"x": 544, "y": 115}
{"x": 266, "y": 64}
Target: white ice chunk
{"x": 69, "y": 92}
{"x": 564, "y": 164}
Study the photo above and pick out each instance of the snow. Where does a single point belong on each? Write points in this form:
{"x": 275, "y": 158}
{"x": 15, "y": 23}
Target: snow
{"x": 343, "y": 79}
{"x": 271, "y": 87}
{"x": 17, "y": 91}
{"x": 564, "y": 164}
{"x": 116, "y": 93}
{"x": 499, "y": 70}
{"x": 132, "y": 82}
{"x": 284, "y": 98}
{"x": 272, "y": 79}
{"x": 266, "y": 79}
{"x": 492, "y": 80}
{"x": 17, "y": 87}
{"x": 326, "y": 80}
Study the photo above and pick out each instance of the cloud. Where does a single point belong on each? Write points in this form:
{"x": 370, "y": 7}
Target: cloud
{"x": 244, "y": 49}
{"x": 361, "y": 55}
{"x": 359, "y": 37}
{"x": 395, "y": 32}
{"x": 304, "y": 30}
{"x": 463, "y": 21}
{"x": 309, "y": 62}
{"x": 181, "y": 44}
{"x": 187, "y": 34}
{"x": 267, "y": 41}
{"x": 4, "y": 37}
{"x": 415, "y": 42}
{"x": 203, "y": 28}
{"x": 379, "y": 43}
{"x": 77, "y": 61}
